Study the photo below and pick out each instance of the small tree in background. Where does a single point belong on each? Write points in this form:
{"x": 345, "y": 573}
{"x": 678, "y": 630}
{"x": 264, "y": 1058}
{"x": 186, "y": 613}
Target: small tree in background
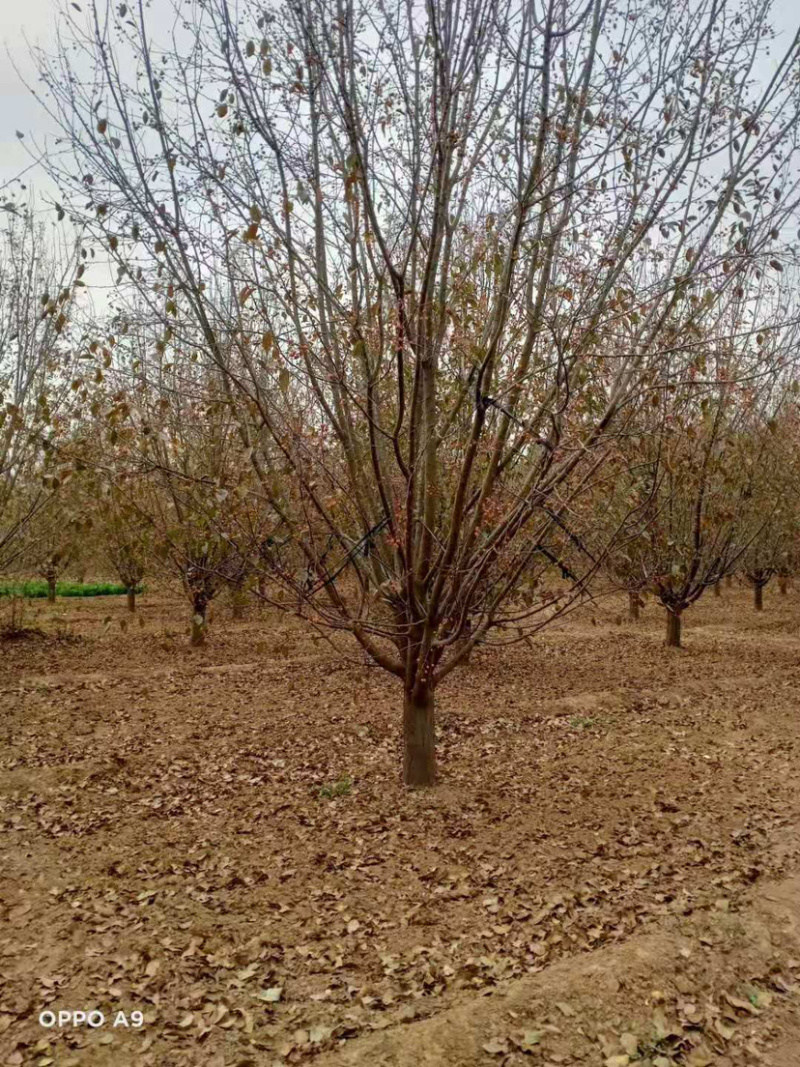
{"x": 36, "y": 295}
{"x": 772, "y": 551}
{"x": 54, "y": 545}
{"x": 126, "y": 540}
{"x": 696, "y": 462}
{"x": 188, "y": 475}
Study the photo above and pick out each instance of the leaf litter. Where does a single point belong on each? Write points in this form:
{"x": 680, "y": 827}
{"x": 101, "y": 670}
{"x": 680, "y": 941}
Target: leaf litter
{"x": 165, "y": 846}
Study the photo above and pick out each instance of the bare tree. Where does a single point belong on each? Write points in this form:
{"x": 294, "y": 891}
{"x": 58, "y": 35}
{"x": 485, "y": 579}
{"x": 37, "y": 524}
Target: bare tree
{"x": 182, "y": 480}
{"x": 53, "y": 542}
{"x": 433, "y": 251}
{"x": 702, "y": 476}
{"x": 125, "y": 536}
{"x": 35, "y": 297}
{"x": 772, "y": 551}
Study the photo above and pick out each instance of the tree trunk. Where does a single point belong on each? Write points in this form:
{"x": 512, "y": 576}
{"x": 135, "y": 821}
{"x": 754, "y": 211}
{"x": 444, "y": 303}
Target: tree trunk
{"x": 717, "y": 589}
{"x": 238, "y": 599}
{"x": 782, "y": 585}
{"x": 729, "y": 580}
{"x": 673, "y": 629}
{"x": 198, "y": 625}
{"x": 419, "y": 751}
{"x": 131, "y": 598}
{"x": 634, "y": 603}
{"x": 51, "y": 590}
{"x": 758, "y": 597}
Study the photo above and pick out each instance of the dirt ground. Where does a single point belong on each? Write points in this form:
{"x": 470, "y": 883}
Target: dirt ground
{"x": 218, "y": 838}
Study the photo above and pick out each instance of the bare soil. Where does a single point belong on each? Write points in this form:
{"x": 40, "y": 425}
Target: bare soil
{"x": 218, "y": 837}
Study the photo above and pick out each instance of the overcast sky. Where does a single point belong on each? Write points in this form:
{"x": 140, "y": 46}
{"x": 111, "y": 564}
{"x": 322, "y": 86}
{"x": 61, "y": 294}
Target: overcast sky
{"x": 18, "y": 109}
{"x": 35, "y": 19}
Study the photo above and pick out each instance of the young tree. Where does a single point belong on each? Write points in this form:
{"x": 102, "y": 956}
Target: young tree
{"x": 432, "y": 251}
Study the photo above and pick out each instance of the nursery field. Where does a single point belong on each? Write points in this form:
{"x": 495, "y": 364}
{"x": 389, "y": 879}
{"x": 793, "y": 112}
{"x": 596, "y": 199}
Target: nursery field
{"x": 606, "y": 873}
{"x": 469, "y": 333}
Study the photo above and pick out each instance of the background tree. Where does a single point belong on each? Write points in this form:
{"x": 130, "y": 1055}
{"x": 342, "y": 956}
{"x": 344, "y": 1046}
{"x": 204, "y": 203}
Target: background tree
{"x": 126, "y": 538}
{"x": 53, "y": 542}
{"x": 186, "y": 473}
{"x": 772, "y": 550}
{"x": 700, "y": 476}
{"x": 35, "y": 299}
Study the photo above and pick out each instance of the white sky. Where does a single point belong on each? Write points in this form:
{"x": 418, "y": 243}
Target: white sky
{"x": 18, "y": 109}
{"x": 35, "y": 19}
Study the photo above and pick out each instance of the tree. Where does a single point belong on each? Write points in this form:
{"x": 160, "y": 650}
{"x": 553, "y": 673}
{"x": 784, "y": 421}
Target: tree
{"x": 185, "y": 471}
{"x": 35, "y": 299}
{"x": 432, "y": 252}
{"x": 772, "y": 550}
{"x": 53, "y": 544}
{"x": 702, "y": 481}
{"x": 126, "y": 538}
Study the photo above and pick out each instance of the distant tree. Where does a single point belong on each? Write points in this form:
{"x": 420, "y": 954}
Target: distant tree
{"x": 776, "y": 494}
{"x": 53, "y": 544}
{"x": 187, "y": 476}
{"x": 126, "y": 538}
{"x": 35, "y": 297}
{"x": 701, "y": 482}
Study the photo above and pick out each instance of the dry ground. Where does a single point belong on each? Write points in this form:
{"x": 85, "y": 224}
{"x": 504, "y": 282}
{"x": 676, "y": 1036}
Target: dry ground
{"x": 604, "y": 875}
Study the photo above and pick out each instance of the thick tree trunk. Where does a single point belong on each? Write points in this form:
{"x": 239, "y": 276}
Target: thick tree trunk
{"x": 782, "y": 585}
{"x": 131, "y": 598}
{"x": 758, "y": 597}
{"x": 673, "y": 629}
{"x": 634, "y": 603}
{"x": 198, "y": 625}
{"x": 419, "y": 746}
{"x": 717, "y": 589}
{"x": 51, "y": 590}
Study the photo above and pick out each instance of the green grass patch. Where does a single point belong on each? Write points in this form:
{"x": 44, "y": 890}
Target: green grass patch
{"x": 38, "y": 589}
{"x": 336, "y": 789}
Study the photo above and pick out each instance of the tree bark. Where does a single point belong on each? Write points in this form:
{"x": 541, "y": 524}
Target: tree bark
{"x": 673, "y": 629}
{"x": 419, "y": 746}
{"x": 51, "y": 590}
{"x": 729, "y": 580}
{"x": 465, "y": 640}
{"x": 758, "y": 597}
{"x": 782, "y": 585}
{"x": 131, "y": 598}
{"x": 634, "y": 603}
{"x": 717, "y": 589}
{"x": 198, "y": 625}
